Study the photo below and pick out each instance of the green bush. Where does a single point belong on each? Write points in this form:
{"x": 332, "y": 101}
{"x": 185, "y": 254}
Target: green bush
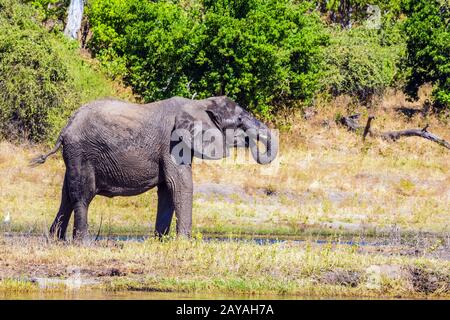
{"x": 55, "y": 10}
{"x": 33, "y": 79}
{"x": 363, "y": 62}
{"x": 428, "y": 45}
{"x": 42, "y": 77}
{"x": 263, "y": 53}
{"x": 348, "y": 13}
{"x": 148, "y": 44}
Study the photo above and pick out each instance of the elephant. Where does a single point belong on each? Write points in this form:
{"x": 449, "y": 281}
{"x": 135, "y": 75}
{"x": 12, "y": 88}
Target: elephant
{"x": 116, "y": 148}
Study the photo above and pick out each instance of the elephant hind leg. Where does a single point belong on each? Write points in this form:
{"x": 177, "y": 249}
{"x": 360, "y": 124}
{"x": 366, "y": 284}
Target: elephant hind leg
{"x": 165, "y": 211}
{"x": 81, "y": 185}
{"x": 59, "y": 225}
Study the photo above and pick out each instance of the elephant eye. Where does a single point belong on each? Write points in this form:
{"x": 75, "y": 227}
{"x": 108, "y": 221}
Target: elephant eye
{"x": 240, "y": 119}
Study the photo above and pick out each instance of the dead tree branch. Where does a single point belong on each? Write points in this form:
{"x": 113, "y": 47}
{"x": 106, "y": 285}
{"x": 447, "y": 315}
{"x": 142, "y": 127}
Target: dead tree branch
{"x": 351, "y": 122}
{"x": 395, "y": 135}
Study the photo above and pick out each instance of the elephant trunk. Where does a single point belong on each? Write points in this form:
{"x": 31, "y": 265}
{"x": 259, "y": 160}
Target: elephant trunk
{"x": 266, "y": 137}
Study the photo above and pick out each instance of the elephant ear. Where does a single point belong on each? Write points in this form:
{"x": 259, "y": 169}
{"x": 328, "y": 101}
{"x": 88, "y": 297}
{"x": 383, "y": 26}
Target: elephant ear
{"x": 198, "y": 132}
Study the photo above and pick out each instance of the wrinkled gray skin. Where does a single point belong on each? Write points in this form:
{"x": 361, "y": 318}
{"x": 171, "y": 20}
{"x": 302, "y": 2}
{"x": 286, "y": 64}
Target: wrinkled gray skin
{"x": 113, "y": 148}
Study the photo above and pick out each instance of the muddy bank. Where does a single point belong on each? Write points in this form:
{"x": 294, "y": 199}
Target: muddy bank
{"x": 417, "y": 279}
{"x": 226, "y": 265}
{"x": 98, "y": 283}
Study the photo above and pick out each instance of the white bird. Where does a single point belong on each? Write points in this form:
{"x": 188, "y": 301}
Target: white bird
{"x": 7, "y": 219}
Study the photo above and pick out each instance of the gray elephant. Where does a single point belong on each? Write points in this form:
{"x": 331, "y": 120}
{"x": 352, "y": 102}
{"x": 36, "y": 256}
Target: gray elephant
{"x": 113, "y": 148}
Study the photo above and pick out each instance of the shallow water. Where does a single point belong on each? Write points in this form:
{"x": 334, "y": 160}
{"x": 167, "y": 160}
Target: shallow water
{"x": 139, "y": 295}
{"x": 267, "y": 240}
{"x": 145, "y": 295}
{"x": 419, "y": 240}
{"x": 257, "y": 240}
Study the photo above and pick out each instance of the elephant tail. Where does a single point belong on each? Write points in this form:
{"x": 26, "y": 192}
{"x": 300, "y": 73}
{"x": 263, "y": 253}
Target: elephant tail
{"x": 41, "y": 159}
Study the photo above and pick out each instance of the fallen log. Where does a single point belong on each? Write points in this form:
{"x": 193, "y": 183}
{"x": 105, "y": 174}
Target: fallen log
{"x": 395, "y": 135}
{"x": 351, "y": 122}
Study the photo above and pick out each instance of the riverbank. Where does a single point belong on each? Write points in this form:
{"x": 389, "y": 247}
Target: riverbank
{"x": 32, "y": 264}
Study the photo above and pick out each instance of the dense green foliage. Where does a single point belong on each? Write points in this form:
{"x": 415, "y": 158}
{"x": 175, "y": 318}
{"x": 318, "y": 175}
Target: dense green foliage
{"x": 55, "y": 10}
{"x": 263, "y": 53}
{"x": 260, "y": 52}
{"x": 412, "y": 45}
{"x": 33, "y": 79}
{"x": 347, "y": 12}
{"x": 42, "y": 78}
{"x": 362, "y": 62}
{"x": 428, "y": 59}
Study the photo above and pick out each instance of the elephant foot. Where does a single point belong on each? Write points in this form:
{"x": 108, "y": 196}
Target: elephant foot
{"x": 82, "y": 238}
{"x": 184, "y": 235}
{"x": 56, "y": 234}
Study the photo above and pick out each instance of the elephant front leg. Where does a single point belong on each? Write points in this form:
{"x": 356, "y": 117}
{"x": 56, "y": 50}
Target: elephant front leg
{"x": 183, "y": 213}
{"x": 80, "y": 224}
{"x": 179, "y": 182}
{"x": 165, "y": 211}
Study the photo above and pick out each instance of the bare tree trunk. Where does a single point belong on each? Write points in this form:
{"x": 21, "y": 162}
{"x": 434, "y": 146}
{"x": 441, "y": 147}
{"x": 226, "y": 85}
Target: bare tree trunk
{"x": 367, "y": 128}
{"x": 345, "y": 13}
{"x": 74, "y": 17}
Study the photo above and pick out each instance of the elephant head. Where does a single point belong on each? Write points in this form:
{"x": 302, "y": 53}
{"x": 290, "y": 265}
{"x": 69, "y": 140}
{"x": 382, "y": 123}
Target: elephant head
{"x": 211, "y": 126}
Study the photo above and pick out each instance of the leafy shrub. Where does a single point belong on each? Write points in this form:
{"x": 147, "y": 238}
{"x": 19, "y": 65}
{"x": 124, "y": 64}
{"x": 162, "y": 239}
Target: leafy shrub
{"x": 428, "y": 45}
{"x": 51, "y": 9}
{"x": 363, "y": 62}
{"x": 149, "y": 44}
{"x": 349, "y": 12}
{"x": 33, "y": 79}
{"x": 42, "y": 77}
{"x": 261, "y": 53}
